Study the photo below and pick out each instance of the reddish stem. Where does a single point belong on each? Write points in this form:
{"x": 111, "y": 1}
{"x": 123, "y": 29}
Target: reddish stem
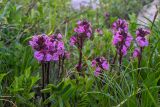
{"x": 79, "y": 67}
{"x": 59, "y": 67}
{"x": 47, "y": 79}
{"x": 120, "y": 56}
{"x": 139, "y": 60}
{"x": 43, "y": 80}
{"x": 114, "y": 60}
{"x": 139, "y": 66}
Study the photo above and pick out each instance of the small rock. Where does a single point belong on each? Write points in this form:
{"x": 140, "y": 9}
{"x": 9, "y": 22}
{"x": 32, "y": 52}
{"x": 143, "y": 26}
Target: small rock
{"x": 78, "y": 4}
{"x": 148, "y": 12}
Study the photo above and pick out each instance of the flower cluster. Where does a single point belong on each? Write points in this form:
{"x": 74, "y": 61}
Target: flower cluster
{"x": 83, "y": 31}
{"x": 136, "y": 53}
{"x": 106, "y": 15}
{"x": 122, "y": 38}
{"x": 141, "y": 41}
{"x": 141, "y": 37}
{"x": 99, "y": 31}
{"x": 120, "y": 25}
{"x": 101, "y": 64}
{"x": 47, "y": 48}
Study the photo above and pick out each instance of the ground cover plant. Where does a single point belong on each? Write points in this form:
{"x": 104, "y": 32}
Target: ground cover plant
{"x": 54, "y": 56}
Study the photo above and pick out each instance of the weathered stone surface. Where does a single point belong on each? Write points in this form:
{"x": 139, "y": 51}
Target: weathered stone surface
{"x": 77, "y": 4}
{"x": 148, "y": 12}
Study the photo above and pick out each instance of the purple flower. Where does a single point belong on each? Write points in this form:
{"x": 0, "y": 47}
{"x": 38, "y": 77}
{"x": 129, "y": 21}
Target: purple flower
{"x": 117, "y": 38}
{"x": 142, "y": 32}
{"x": 105, "y": 65}
{"x": 42, "y": 56}
{"x": 100, "y": 63}
{"x": 122, "y": 41}
{"x": 82, "y": 31}
{"x": 97, "y": 71}
{"x": 73, "y": 40}
{"x": 38, "y": 42}
{"x": 106, "y": 15}
{"x": 48, "y": 57}
{"x": 142, "y": 42}
{"x": 55, "y": 57}
{"x": 66, "y": 55}
{"x": 34, "y": 41}
{"x": 93, "y": 63}
{"x": 119, "y": 25}
{"x": 124, "y": 50}
{"x": 38, "y": 55}
{"x": 122, "y": 38}
{"x": 59, "y": 36}
{"x": 47, "y": 48}
{"x": 136, "y": 53}
{"x": 41, "y": 45}
{"x": 56, "y": 37}
{"x": 83, "y": 28}
{"x": 99, "y": 31}
{"x": 141, "y": 37}
{"x": 60, "y": 45}
{"x": 128, "y": 41}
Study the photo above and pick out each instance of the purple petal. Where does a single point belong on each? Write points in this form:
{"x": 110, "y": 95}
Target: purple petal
{"x": 93, "y": 63}
{"x": 105, "y": 65}
{"x": 38, "y": 55}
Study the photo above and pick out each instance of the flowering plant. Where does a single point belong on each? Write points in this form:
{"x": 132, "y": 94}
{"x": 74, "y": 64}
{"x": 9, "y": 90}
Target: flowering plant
{"x": 82, "y": 32}
{"x": 122, "y": 38}
{"x": 100, "y": 64}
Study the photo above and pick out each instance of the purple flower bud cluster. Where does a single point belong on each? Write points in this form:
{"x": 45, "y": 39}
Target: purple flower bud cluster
{"x": 120, "y": 25}
{"x": 106, "y": 15}
{"x": 99, "y": 31}
{"x": 47, "y": 48}
{"x": 136, "y": 53}
{"x": 141, "y": 41}
{"x": 141, "y": 37}
{"x": 100, "y": 63}
{"x": 122, "y": 38}
{"x": 83, "y": 31}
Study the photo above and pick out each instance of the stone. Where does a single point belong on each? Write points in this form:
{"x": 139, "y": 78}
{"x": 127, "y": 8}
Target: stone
{"x": 78, "y": 4}
{"x": 148, "y": 12}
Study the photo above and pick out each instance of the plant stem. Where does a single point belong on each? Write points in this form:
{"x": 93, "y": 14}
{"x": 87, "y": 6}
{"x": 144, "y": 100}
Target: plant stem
{"x": 79, "y": 67}
{"x": 120, "y": 55}
{"x": 48, "y": 70}
{"x": 62, "y": 66}
{"x": 59, "y": 67}
{"x": 120, "y": 60}
{"x": 138, "y": 81}
{"x": 114, "y": 60}
{"x": 43, "y": 80}
{"x": 139, "y": 60}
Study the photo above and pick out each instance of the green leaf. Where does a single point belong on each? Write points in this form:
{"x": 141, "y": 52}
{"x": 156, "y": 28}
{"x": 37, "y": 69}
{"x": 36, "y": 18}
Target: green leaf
{"x": 28, "y": 72}
{"x": 50, "y": 99}
{"x": 46, "y": 90}
{"x": 60, "y": 85}
{"x": 2, "y": 76}
{"x": 66, "y": 88}
{"x": 60, "y": 101}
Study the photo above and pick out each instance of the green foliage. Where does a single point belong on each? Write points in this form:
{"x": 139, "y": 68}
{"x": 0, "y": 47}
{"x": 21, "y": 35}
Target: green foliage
{"x": 22, "y": 87}
{"x": 122, "y": 8}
